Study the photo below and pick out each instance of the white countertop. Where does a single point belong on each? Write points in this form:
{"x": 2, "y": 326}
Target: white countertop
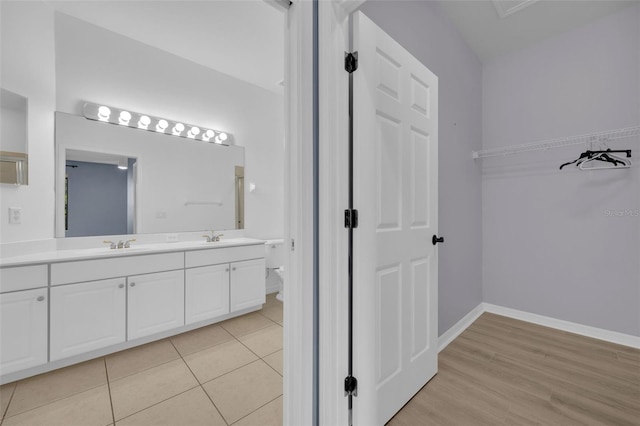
{"x": 135, "y": 249}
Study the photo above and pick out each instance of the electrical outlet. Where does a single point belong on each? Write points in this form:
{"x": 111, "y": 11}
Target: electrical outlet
{"x": 172, "y": 238}
{"x": 15, "y": 215}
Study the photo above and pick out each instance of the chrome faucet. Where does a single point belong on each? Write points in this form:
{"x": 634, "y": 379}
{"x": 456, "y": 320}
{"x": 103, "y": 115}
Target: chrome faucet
{"x": 127, "y": 243}
{"x": 112, "y": 245}
{"x": 213, "y": 238}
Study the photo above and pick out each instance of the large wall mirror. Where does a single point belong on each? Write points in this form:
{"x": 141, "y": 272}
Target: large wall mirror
{"x": 13, "y": 138}
{"x": 114, "y": 180}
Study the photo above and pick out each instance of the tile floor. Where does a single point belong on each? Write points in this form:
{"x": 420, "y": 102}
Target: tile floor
{"x": 222, "y": 374}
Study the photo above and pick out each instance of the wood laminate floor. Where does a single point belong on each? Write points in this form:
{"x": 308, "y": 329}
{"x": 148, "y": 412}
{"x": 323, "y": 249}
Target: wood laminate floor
{"x": 502, "y": 371}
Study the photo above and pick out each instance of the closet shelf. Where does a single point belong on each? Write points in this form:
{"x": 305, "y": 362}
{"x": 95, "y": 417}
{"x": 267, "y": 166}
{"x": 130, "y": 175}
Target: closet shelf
{"x": 609, "y": 135}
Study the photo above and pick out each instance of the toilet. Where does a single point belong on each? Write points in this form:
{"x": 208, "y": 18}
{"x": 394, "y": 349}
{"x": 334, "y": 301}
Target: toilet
{"x": 274, "y": 257}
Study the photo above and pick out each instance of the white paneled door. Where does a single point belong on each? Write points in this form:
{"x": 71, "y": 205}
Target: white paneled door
{"x": 396, "y": 192}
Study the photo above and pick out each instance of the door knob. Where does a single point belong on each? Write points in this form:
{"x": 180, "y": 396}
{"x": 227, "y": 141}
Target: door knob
{"x": 435, "y": 240}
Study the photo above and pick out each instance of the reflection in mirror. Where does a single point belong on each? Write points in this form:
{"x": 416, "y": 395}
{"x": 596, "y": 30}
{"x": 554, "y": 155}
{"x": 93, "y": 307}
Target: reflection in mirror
{"x": 239, "y": 197}
{"x": 13, "y": 138}
{"x": 171, "y": 184}
{"x": 99, "y": 194}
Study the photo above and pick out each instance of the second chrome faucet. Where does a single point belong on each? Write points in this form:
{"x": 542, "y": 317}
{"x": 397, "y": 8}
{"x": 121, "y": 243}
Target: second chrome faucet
{"x": 213, "y": 238}
{"x": 120, "y": 244}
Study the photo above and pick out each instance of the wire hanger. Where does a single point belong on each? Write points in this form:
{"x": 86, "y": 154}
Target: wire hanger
{"x": 603, "y": 156}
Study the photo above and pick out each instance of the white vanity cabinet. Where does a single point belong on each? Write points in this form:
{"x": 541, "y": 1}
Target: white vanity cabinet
{"x": 156, "y": 303}
{"x": 61, "y": 312}
{"x": 87, "y": 316}
{"x": 24, "y": 314}
{"x": 206, "y": 293}
{"x": 23, "y": 329}
{"x": 247, "y": 284}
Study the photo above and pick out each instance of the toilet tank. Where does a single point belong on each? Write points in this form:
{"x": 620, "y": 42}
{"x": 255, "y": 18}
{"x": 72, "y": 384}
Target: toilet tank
{"x": 274, "y": 253}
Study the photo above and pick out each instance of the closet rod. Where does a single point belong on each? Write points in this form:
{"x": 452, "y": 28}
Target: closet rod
{"x": 609, "y": 135}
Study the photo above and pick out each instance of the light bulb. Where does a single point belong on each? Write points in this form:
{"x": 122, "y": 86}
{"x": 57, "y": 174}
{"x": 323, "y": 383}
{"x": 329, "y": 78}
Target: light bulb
{"x": 143, "y": 122}
{"x": 208, "y": 135}
{"x": 104, "y": 113}
{"x": 162, "y": 126}
{"x": 178, "y": 128}
{"x": 125, "y": 117}
{"x": 221, "y": 137}
{"x": 193, "y": 132}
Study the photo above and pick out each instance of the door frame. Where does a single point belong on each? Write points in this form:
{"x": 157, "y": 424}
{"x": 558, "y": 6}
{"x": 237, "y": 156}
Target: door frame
{"x": 298, "y": 365}
{"x": 334, "y": 127}
{"x": 333, "y": 35}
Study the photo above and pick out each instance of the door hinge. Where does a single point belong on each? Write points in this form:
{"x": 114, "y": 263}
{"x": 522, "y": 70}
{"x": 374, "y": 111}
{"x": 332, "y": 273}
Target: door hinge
{"x": 350, "y": 61}
{"x": 351, "y": 218}
{"x": 350, "y": 386}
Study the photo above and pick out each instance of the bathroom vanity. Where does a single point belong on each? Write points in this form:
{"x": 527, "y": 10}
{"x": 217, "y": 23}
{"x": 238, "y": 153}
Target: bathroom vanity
{"x": 67, "y": 306}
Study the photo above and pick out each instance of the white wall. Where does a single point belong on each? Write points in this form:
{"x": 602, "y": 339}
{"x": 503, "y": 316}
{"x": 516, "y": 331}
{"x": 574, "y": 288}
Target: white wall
{"x": 27, "y": 65}
{"x": 13, "y": 123}
{"x": 94, "y": 64}
{"x": 88, "y": 63}
{"x": 425, "y": 31}
{"x": 550, "y": 243}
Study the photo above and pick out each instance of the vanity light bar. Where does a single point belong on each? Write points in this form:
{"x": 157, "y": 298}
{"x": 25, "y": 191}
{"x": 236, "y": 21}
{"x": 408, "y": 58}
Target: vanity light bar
{"x": 136, "y": 120}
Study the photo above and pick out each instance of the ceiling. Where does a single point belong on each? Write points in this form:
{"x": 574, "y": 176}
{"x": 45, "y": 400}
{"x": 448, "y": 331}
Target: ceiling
{"x": 525, "y": 23}
{"x": 241, "y": 38}
{"x": 245, "y": 38}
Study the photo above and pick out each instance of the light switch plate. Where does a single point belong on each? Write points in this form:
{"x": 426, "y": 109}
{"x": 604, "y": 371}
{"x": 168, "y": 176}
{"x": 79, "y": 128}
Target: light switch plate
{"x": 15, "y": 215}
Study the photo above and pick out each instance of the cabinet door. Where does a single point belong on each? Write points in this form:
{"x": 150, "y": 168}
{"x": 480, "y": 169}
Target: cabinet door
{"x": 206, "y": 293}
{"x": 247, "y": 285}
{"x": 87, "y": 316}
{"x": 156, "y": 303}
{"x": 23, "y": 330}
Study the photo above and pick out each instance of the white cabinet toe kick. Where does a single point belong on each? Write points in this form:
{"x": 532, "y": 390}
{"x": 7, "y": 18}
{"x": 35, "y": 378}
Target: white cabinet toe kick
{"x": 57, "y": 314}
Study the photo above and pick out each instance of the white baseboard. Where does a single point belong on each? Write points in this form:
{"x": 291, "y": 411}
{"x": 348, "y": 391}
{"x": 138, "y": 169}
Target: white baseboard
{"x": 459, "y": 327}
{"x": 571, "y": 327}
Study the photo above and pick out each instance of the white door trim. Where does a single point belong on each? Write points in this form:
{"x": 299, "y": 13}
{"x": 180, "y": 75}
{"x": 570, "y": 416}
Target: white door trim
{"x": 298, "y": 220}
{"x": 333, "y": 31}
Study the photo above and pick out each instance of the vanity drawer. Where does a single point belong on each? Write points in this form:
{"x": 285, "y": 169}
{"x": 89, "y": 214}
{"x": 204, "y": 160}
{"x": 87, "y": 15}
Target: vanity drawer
{"x": 23, "y": 278}
{"x": 99, "y": 269}
{"x": 223, "y": 255}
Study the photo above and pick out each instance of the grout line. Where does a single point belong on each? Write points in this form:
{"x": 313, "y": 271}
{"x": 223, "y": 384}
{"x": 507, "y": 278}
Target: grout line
{"x": 146, "y": 368}
{"x": 185, "y": 363}
{"x": 232, "y": 371}
{"x": 159, "y": 402}
{"x": 57, "y": 399}
{"x": 262, "y": 406}
{"x": 6, "y": 410}
{"x": 214, "y": 405}
{"x": 106, "y": 372}
{"x": 200, "y": 384}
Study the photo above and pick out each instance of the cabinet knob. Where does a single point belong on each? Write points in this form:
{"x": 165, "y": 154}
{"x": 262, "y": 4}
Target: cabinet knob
{"x": 40, "y": 298}
{"x": 226, "y": 270}
{"x": 234, "y": 268}
{"x": 133, "y": 284}
{"x": 121, "y": 286}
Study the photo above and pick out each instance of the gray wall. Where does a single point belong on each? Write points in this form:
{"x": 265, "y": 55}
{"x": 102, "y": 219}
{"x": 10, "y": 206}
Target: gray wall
{"x": 428, "y": 34}
{"x": 97, "y": 199}
{"x": 564, "y": 244}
